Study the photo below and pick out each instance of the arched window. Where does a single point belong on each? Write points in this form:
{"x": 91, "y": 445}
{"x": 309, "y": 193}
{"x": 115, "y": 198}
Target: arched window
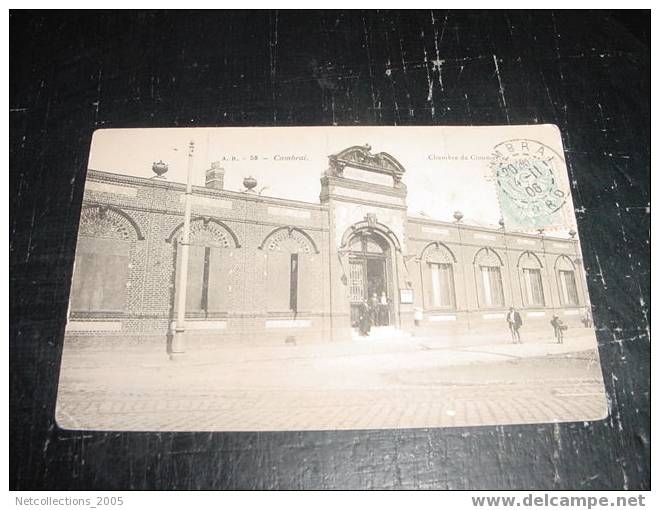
{"x": 210, "y": 264}
{"x": 437, "y": 266}
{"x": 103, "y": 261}
{"x": 488, "y": 272}
{"x": 568, "y": 293}
{"x": 290, "y": 265}
{"x": 531, "y": 280}
{"x": 368, "y": 244}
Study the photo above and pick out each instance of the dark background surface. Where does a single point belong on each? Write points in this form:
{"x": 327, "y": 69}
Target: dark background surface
{"x": 587, "y": 72}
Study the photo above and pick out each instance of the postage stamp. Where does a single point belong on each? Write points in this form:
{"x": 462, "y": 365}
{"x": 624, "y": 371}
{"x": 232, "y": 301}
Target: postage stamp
{"x": 529, "y": 187}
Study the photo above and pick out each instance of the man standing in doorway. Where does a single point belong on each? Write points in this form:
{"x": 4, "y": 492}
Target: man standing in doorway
{"x": 515, "y": 322}
{"x": 374, "y": 309}
{"x": 364, "y": 322}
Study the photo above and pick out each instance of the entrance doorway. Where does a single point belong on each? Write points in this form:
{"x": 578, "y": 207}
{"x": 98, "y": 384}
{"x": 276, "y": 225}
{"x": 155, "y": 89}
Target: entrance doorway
{"x": 370, "y": 278}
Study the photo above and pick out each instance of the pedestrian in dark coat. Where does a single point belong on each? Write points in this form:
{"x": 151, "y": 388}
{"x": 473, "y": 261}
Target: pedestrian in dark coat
{"x": 373, "y": 310}
{"x": 514, "y": 321}
{"x": 364, "y": 325}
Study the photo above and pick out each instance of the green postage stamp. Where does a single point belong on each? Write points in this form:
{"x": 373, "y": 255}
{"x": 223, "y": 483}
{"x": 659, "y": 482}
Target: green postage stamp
{"x": 530, "y": 187}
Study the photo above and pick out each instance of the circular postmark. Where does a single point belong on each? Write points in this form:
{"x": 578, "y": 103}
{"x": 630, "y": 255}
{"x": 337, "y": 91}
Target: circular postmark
{"x": 527, "y": 177}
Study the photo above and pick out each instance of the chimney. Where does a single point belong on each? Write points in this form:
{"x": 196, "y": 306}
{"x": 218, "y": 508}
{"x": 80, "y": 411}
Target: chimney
{"x": 215, "y": 176}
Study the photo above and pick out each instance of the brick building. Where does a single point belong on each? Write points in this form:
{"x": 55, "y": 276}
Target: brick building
{"x": 264, "y": 269}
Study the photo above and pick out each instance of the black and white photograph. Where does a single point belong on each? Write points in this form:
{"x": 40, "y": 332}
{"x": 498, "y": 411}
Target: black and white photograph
{"x": 258, "y": 279}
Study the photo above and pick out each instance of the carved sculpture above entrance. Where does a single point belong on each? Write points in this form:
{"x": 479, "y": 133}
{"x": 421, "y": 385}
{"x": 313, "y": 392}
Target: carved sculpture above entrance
{"x": 360, "y": 156}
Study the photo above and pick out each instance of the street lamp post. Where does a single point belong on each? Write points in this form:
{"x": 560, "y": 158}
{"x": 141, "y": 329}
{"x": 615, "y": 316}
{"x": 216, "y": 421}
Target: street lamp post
{"x": 458, "y": 216}
{"x": 178, "y": 348}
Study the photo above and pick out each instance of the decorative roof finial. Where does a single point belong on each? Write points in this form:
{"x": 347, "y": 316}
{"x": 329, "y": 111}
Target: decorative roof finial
{"x": 458, "y": 216}
{"x": 250, "y": 183}
{"x": 159, "y": 169}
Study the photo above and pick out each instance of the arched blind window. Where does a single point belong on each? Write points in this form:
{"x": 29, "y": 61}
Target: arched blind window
{"x": 488, "y": 273}
{"x": 290, "y": 260}
{"x": 102, "y": 266}
{"x": 210, "y": 266}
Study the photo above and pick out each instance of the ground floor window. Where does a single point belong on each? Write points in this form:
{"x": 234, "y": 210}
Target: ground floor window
{"x": 437, "y": 273}
{"x": 492, "y": 289}
{"x": 442, "y": 285}
{"x": 568, "y": 288}
{"x": 533, "y": 287}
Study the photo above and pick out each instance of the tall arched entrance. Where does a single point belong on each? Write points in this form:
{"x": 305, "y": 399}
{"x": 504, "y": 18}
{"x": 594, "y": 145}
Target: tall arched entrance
{"x": 371, "y": 277}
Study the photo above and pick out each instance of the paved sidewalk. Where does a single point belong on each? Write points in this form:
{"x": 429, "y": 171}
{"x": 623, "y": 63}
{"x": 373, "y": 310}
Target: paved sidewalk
{"x": 464, "y": 349}
{"x": 397, "y": 383}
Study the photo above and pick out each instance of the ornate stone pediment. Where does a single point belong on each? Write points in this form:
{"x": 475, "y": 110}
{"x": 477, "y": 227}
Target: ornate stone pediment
{"x": 360, "y": 156}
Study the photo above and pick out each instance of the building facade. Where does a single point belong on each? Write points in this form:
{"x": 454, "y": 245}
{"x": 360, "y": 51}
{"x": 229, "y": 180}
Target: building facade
{"x": 264, "y": 270}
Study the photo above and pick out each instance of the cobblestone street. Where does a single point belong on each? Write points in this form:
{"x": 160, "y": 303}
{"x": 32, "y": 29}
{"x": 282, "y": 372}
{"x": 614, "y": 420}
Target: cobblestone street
{"x": 354, "y": 385}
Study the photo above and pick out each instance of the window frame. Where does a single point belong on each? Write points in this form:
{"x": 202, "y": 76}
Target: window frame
{"x": 428, "y": 296}
{"x": 482, "y": 279}
{"x": 564, "y": 264}
{"x": 527, "y": 287}
{"x": 527, "y": 262}
{"x": 492, "y": 260}
{"x": 564, "y": 296}
{"x": 436, "y": 253}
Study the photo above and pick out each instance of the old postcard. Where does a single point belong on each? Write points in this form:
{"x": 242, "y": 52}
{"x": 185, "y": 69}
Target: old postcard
{"x": 328, "y": 278}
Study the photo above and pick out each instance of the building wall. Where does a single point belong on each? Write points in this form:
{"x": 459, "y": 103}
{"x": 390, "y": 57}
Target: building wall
{"x": 244, "y": 232}
{"x": 469, "y": 315}
{"x": 154, "y": 210}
